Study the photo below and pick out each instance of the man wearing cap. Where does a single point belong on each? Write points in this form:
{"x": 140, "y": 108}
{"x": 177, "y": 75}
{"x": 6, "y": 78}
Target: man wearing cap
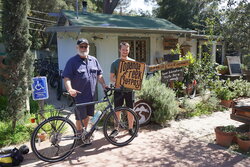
{"x": 80, "y": 77}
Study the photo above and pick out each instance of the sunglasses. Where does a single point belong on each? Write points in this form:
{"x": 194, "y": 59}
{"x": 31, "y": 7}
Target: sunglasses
{"x": 83, "y": 47}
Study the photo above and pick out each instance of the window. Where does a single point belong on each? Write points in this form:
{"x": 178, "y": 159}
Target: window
{"x": 139, "y": 48}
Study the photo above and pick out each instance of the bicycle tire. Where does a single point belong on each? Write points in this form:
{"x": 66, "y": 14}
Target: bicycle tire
{"x": 123, "y": 138}
{"x": 56, "y": 145}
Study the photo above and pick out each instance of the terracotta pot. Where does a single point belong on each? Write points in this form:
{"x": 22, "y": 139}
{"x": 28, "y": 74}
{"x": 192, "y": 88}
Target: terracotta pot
{"x": 223, "y": 138}
{"x": 32, "y": 120}
{"x": 41, "y": 136}
{"x": 243, "y": 144}
{"x": 227, "y": 103}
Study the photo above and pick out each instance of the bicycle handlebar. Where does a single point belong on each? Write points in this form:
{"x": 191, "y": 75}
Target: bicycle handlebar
{"x": 107, "y": 91}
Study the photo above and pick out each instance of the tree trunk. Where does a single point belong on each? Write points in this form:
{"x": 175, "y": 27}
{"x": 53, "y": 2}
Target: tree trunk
{"x": 109, "y": 7}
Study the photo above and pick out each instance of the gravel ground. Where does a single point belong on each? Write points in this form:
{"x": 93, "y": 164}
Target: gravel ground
{"x": 188, "y": 142}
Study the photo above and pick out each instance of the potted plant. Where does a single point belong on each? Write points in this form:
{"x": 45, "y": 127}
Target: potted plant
{"x": 222, "y": 69}
{"x": 243, "y": 140}
{"x": 226, "y": 96}
{"x": 225, "y": 135}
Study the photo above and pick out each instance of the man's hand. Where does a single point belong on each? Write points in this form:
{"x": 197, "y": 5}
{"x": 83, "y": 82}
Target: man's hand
{"x": 73, "y": 92}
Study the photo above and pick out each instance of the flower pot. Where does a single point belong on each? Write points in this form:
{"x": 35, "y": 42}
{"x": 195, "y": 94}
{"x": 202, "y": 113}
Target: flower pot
{"x": 41, "y": 136}
{"x": 32, "y": 120}
{"x": 227, "y": 103}
{"x": 244, "y": 145}
{"x": 223, "y": 138}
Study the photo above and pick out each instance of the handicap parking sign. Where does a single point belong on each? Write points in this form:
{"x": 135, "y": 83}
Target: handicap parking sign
{"x": 40, "y": 88}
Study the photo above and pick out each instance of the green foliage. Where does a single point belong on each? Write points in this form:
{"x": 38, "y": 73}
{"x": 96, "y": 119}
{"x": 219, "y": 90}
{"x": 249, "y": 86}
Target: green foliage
{"x": 246, "y": 61}
{"x": 19, "y": 60}
{"x": 177, "y": 50}
{"x": 4, "y": 116}
{"x": 235, "y": 27}
{"x": 162, "y": 98}
{"x": 220, "y": 68}
{"x": 224, "y": 93}
{"x": 205, "y": 107}
{"x": 187, "y": 105}
{"x": 243, "y": 136}
{"x": 101, "y": 106}
{"x": 8, "y": 136}
{"x": 227, "y": 89}
{"x": 228, "y": 128}
{"x": 34, "y": 107}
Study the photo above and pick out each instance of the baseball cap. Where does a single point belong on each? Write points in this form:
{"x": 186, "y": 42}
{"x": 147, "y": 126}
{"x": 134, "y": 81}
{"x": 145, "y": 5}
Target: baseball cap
{"x": 82, "y": 40}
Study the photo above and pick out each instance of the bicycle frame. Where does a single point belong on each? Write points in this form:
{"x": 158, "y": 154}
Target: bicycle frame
{"x": 93, "y": 128}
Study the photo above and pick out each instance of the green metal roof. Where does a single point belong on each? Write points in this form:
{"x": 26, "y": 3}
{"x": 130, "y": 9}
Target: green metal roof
{"x": 115, "y": 23}
{"x": 107, "y": 20}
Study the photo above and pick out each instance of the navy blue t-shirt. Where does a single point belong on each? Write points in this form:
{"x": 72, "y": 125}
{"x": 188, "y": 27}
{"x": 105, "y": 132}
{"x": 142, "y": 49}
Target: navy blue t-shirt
{"x": 83, "y": 75}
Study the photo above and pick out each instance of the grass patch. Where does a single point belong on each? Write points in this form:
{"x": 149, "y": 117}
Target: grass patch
{"x": 8, "y": 136}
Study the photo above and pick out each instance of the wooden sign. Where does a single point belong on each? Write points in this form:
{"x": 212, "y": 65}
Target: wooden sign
{"x": 165, "y": 66}
{"x": 169, "y": 43}
{"x": 130, "y": 74}
{"x": 172, "y": 75}
{"x": 234, "y": 65}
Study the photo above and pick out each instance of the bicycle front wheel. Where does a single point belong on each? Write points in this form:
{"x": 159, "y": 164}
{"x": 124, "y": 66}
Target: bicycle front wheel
{"x": 121, "y": 126}
{"x": 54, "y": 139}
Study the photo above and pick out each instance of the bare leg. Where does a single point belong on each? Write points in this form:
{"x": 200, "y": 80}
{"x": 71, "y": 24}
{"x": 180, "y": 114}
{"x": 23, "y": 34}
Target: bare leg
{"x": 130, "y": 120}
{"x": 85, "y": 122}
{"x": 79, "y": 124}
{"x": 118, "y": 114}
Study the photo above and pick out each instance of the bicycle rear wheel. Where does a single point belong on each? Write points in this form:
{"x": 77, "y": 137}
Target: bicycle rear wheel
{"x": 118, "y": 129}
{"x": 54, "y": 139}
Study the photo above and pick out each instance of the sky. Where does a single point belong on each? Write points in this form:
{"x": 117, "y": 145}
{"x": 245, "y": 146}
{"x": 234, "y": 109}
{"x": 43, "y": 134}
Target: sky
{"x": 139, "y": 4}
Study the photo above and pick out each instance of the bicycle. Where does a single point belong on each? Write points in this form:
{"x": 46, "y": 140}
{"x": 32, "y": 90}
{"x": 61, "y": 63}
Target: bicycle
{"x": 61, "y": 135}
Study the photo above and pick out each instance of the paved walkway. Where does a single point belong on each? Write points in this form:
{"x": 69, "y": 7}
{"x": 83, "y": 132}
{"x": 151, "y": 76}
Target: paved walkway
{"x": 188, "y": 142}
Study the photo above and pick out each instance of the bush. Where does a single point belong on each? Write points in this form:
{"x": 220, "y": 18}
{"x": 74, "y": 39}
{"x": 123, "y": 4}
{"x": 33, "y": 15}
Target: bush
{"x": 246, "y": 61}
{"x": 34, "y": 107}
{"x": 4, "y": 116}
{"x": 8, "y": 137}
{"x": 206, "y": 106}
{"x": 162, "y": 99}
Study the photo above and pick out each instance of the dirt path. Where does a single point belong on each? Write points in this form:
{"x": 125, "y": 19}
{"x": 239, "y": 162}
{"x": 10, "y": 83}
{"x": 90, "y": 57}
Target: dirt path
{"x": 185, "y": 143}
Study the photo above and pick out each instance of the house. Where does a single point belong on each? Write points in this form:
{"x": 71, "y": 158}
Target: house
{"x": 150, "y": 38}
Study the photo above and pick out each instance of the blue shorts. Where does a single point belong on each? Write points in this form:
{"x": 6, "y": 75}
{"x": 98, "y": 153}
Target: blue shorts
{"x": 82, "y": 112}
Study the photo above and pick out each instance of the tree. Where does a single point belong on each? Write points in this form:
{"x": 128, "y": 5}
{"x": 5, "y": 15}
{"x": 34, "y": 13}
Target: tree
{"x": 235, "y": 28}
{"x": 185, "y": 13}
{"x": 16, "y": 39}
{"x": 39, "y": 19}
{"x": 108, "y": 6}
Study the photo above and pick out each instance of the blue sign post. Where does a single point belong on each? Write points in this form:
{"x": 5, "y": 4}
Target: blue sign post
{"x": 40, "y": 88}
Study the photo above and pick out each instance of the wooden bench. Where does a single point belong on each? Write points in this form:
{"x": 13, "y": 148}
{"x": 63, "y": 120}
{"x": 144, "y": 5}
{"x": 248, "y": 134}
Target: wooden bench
{"x": 241, "y": 113}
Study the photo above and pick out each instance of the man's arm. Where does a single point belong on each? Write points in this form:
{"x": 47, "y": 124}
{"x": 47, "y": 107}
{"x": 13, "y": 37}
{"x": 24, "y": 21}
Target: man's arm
{"x": 102, "y": 81}
{"x": 67, "y": 83}
{"x": 112, "y": 77}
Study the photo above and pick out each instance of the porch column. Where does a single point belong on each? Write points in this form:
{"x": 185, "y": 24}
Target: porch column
{"x": 223, "y": 54}
{"x": 213, "y": 51}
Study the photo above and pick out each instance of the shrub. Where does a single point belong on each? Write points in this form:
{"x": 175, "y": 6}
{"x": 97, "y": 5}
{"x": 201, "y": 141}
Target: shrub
{"x": 34, "y": 107}
{"x": 206, "y": 106}
{"x": 162, "y": 99}
{"x": 8, "y": 137}
{"x": 4, "y": 116}
{"x": 246, "y": 61}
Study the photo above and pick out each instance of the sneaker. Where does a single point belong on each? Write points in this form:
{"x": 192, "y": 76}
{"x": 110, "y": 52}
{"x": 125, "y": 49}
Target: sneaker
{"x": 86, "y": 142}
{"x": 131, "y": 132}
{"x": 114, "y": 133}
